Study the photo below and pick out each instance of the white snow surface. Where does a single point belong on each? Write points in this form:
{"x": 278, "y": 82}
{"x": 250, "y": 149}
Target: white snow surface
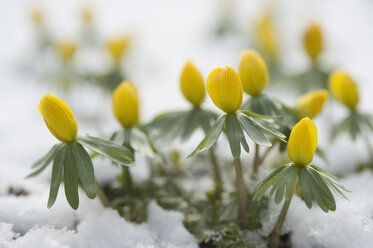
{"x": 166, "y": 33}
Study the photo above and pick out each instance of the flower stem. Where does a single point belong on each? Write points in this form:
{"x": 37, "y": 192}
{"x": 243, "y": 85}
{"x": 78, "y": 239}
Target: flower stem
{"x": 126, "y": 179}
{"x": 370, "y": 150}
{"x": 275, "y": 234}
{"x": 242, "y": 195}
{"x": 102, "y": 196}
{"x": 218, "y": 179}
{"x": 256, "y": 162}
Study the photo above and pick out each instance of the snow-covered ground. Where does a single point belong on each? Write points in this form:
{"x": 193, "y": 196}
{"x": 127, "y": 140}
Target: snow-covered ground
{"x": 165, "y": 34}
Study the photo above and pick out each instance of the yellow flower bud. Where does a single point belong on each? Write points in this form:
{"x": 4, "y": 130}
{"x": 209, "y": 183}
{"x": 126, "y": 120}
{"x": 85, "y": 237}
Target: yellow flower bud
{"x": 253, "y": 72}
{"x": 312, "y": 103}
{"x": 66, "y": 50}
{"x": 302, "y": 142}
{"x": 37, "y": 16}
{"x": 225, "y": 89}
{"x": 344, "y": 88}
{"x": 266, "y": 37}
{"x": 192, "y": 85}
{"x": 86, "y": 13}
{"x": 118, "y": 47}
{"x": 313, "y": 41}
{"x": 126, "y": 104}
{"x": 59, "y": 118}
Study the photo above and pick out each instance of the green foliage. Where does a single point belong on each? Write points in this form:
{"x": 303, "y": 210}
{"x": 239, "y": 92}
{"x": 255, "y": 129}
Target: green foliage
{"x": 314, "y": 182}
{"x": 354, "y": 124}
{"x": 117, "y": 153}
{"x": 169, "y": 127}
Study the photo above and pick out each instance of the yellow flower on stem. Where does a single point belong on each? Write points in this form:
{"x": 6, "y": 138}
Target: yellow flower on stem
{"x": 312, "y": 103}
{"x": 126, "y": 104}
{"x": 313, "y": 41}
{"x": 266, "y": 36}
{"x": 37, "y": 16}
{"x": 118, "y": 47}
{"x": 86, "y": 13}
{"x": 66, "y": 50}
{"x": 302, "y": 142}
{"x": 59, "y": 118}
{"x": 225, "y": 89}
{"x": 192, "y": 85}
{"x": 253, "y": 72}
{"x": 344, "y": 88}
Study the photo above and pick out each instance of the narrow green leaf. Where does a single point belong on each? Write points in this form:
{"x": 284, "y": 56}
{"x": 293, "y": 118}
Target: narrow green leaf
{"x": 71, "y": 178}
{"x": 212, "y": 135}
{"x": 48, "y": 158}
{"x": 191, "y": 123}
{"x": 255, "y": 133}
{"x": 271, "y": 179}
{"x": 234, "y": 135}
{"x": 141, "y": 143}
{"x": 58, "y": 163}
{"x": 306, "y": 192}
{"x": 85, "y": 169}
{"x": 44, "y": 162}
{"x": 117, "y": 153}
{"x": 271, "y": 130}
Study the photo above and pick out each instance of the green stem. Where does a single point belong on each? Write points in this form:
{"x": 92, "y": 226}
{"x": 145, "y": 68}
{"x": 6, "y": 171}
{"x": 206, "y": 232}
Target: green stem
{"x": 256, "y": 162}
{"x": 216, "y": 167}
{"x": 242, "y": 195}
{"x": 126, "y": 179}
{"x": 102, "y": 196}
{"x": 275, "y": 234}
{"x": 370, "y": 150}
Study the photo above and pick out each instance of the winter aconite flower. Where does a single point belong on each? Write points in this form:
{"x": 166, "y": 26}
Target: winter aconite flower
{"x": 302, "y": 142}
{"x": 312, "y": 103}
{"x": 126, "y": 104}
{"x": 59, "y": 118}
{"x": 87, "y": 17}
{"x": 225, "y": 89}
{"x": 118, "y": 47}
{"x": 344, "y": 88}
{"x": 253, "y": 72}
{"x": 37, "y": 16}
{"x": 313, "y": 41}
{"x": 66, "y": 50}
{"x": 266, "y": 36}
{"x": 192, "y": 85}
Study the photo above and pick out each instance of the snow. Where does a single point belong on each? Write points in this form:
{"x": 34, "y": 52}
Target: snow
{"x": 160, "y": 47}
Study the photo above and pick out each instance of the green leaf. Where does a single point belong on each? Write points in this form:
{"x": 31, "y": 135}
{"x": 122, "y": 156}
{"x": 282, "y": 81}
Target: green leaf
{"x": 321, "y": 153}
{"x": 58, "y": 163}
{"x": 306, "y": 192}
{"x": 84, "y": 166}
{"x": 141, "y": 143}
{"x": 264, "y": 125}
{"x": 321, "y": 191}
{"x": 271, "y": 179}
{"x": 192, "y": 121}
{"x": 255, "y": 133}
{"x": 117, "y": 153}
{"x": 234, "y": 135}
{"x": 48, "y": 158}
{"x": 212, "y": 135}
{"x": 285, "y": 184}
{"x": 71, "y": 178}
{"x": 44, "y": 161}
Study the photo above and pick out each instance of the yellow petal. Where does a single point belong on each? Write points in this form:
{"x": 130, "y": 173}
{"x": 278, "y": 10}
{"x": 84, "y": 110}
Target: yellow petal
{"x": 225, "y": 89}
{"x": 192, "y": 85}
{"x": 253, "y": 72}
{"x": 126, "y": 104}
{"x": 344, "y": 88}
{"x": 313, "y": 41}
{"x": 302, "y": 142}
{"x": 266, "y": 38}
{"x": 66, "y": 50}
{"x": 118, "y": 47}
{"x": 312, "y": 103}
{"x": 59, "y": 118}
